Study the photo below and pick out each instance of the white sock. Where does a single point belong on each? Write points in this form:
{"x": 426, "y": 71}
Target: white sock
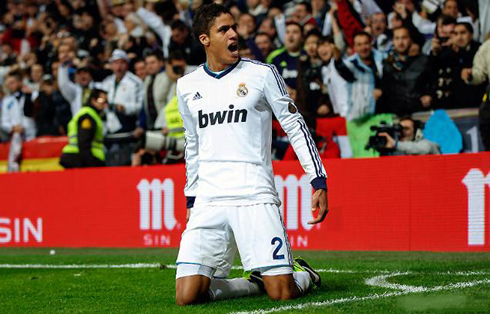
{"x": 231, "y": 288}
{"x": 302, "y": 279}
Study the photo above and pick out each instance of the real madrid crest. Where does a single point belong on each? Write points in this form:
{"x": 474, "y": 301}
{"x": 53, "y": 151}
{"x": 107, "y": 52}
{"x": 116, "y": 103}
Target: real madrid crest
{"x": 242, "y": 91}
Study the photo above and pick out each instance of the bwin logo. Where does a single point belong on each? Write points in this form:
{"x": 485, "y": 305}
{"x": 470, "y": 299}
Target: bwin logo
{"x": 219, "y": 117}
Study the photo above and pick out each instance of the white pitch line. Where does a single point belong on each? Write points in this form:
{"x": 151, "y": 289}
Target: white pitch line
{"x": 79, "y": 266}
{"x": 380, "y": 281}
{"x": 172, "y": 266}
{"x": 368, "y": 297}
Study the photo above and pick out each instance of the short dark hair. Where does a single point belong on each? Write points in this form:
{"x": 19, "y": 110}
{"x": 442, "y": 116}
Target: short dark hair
{"x": 466, "y": 25}
{"x": 297, "y": 24}
{"x": 313, "y": 32}
{"x": 402, "y": 27}
{"x": 446, "y": 20}
{"x": 307, "y": 5}
{"x": 205, "y": 16}
{"x": 175, "y": 55}
{"x": 158, "y": 55}
{"x": 263, "y": 34}
{"x": 361, "y": 33}
{"x": 179, "y": 24}
{"x": 326, "y": 39}
{"x": 16, "y": 74}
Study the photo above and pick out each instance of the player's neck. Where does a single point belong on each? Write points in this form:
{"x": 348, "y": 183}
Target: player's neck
{"x": 216, "y": 66}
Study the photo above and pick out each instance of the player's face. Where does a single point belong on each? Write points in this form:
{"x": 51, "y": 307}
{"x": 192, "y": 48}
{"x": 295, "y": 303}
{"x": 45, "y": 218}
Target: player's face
{"x": 222, "y": 43}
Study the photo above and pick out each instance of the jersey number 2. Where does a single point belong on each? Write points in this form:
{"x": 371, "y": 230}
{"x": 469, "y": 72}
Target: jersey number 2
{"x": 279, "y": 246}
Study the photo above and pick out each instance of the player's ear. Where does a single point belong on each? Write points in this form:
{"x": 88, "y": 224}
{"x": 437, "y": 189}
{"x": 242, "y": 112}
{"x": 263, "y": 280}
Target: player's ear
{"x": 204, "y": 39}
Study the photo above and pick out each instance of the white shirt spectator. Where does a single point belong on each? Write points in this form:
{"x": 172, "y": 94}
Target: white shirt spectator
{"x": 13, "y": 114}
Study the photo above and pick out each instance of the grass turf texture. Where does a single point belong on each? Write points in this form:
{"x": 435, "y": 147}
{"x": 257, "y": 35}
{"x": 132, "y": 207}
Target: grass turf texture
{"x": 151, "y": 290}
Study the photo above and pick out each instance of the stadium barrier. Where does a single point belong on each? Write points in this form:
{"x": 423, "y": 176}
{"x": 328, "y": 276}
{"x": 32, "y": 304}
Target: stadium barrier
{"x": 425, "y": 203}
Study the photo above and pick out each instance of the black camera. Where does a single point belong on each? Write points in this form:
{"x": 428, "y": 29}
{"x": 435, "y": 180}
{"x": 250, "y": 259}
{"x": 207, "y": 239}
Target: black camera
{"x": 178, "y": 70}
{"x": 378, "y": 142}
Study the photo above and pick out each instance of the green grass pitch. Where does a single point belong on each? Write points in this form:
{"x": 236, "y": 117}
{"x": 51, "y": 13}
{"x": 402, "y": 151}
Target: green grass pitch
{"x": 353, "y": 282}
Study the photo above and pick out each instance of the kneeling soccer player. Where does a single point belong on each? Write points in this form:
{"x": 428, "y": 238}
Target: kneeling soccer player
{"x": 227, "y": 106}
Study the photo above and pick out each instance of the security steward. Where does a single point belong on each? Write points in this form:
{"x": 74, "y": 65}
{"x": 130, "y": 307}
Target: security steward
{"x": 85, "y": 134}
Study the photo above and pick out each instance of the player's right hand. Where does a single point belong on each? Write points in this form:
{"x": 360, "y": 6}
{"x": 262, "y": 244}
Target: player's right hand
{"x": 319, "y": 201}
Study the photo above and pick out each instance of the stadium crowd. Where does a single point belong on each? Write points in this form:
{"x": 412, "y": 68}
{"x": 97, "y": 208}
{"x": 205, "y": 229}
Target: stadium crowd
{"x": 353, "y": 59}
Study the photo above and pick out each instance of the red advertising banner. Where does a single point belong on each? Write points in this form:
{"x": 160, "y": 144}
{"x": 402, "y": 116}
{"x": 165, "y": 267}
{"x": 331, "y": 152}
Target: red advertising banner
{"x": 421, "y": 203}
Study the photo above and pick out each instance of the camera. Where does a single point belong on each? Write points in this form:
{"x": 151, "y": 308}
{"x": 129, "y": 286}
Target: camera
{"x": 178, "y": 70}
{"x": 378, "y": 142}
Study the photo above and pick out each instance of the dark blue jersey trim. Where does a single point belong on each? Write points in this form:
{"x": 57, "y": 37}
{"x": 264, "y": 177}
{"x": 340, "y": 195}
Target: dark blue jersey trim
{"x": 309, "y": 145}
{"x": 319, "y": 183}
{"x": 280, "y": 83}
{"x": 220, "y": 75}
{"x": 190, "y": 201}
{"x": 316, "y": 154}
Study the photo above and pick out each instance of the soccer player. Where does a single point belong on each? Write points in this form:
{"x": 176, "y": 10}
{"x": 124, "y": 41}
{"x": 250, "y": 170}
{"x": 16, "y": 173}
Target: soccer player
{"x": 227, "y": 106}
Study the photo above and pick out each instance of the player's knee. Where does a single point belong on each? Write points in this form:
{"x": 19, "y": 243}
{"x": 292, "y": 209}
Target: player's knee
{"x": 191, "y": 290}
{"x": 185, "y": 298}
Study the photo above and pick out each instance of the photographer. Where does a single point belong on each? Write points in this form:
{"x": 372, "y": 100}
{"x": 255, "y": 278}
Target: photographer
{"x": 410, "y": 142}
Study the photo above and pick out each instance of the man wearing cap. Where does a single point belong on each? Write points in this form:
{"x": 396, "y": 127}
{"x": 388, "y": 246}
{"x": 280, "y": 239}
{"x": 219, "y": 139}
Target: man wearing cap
{"x": 78, "y": 92}
{"x": 125, "y": 95}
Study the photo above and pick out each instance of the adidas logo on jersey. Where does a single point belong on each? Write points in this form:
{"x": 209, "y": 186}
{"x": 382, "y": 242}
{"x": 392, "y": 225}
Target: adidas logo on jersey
{"x": 197, "y": 96}
{"x": 219, "y": 117}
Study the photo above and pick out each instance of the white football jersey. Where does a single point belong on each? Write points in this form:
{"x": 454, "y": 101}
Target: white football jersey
{"x": 228, "y": 131}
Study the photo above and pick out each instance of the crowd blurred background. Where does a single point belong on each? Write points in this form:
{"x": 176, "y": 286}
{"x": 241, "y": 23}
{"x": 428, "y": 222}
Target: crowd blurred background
{"x": 348, "y": 64}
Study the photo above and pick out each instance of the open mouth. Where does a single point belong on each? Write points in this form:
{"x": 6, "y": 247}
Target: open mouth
{"x": 233, "y": 47}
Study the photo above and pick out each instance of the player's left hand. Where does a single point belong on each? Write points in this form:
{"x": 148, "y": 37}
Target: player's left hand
{"x": 319, "y": 201}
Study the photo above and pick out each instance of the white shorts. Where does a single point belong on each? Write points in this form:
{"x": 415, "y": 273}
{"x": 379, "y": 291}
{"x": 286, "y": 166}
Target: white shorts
{"x": 214, "y": 233}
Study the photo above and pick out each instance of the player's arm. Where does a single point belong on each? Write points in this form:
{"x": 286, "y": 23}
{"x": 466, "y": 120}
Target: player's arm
{"x": 300, "y": 138}
{"x": 191, "y": 150}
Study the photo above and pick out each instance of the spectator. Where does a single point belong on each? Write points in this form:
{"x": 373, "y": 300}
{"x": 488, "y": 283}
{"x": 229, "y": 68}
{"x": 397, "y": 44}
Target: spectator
{"x": 139, "y": 66}
{"x": 246, "y": 26}
{"x": 478, "y": 74}
{"x": 264, "y": 43}
{"x": 445, "y": 26}
{"x": 303, "y": 14}
{"x": 33, "y": 82}
{"x": 51, "y": 111}
{"x": 77, "y": 92}
{"x": 378, "y": 27}
{"x": 286, "y": 58}
{"x": 363, "y": 71}
{"x": 335, "y": 84}
{"x": 85, "y": 146}
{"x": 267, "y": 26}
{"x": 182, "y": 41}
{"x": 411, "y": 141}
{"x": 156, "y": 88}
{"x": 448, "y": 60}
{"x": 451, "y": 8}
{"x": 406, "y": 83}
{"x": 17, "y": 109}
{"x": 311, "y": 93}
{"x": 125, "y": 96}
